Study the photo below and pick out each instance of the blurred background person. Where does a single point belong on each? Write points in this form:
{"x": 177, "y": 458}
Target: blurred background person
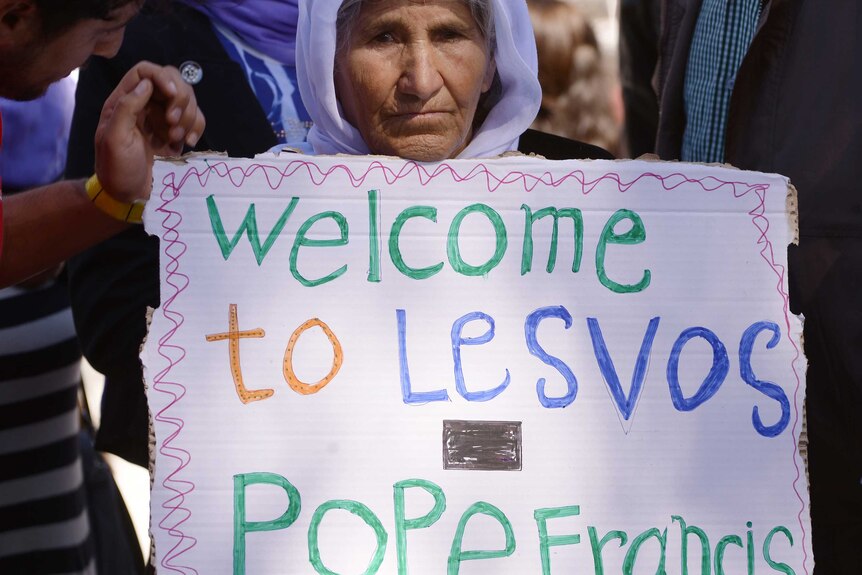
{"x": 578, "y": 89}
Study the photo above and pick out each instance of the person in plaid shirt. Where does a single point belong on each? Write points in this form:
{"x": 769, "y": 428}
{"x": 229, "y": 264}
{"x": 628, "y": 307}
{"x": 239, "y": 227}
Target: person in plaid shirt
{"x": 774, "y": 86}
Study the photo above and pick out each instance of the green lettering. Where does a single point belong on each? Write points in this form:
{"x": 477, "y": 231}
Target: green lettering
{"x": 301, "y": 241}
{"x": 373, "y": 237}
{"x": 719, "y": 551}
{"x": 749, "y": 547}
{"x": 426, "y": 212}
{"x": 547, "y": 541}
{"x": 632, "y": 553}
{"x": 635, "y": 235}
{"x": 530, "y": 219}
{"x": 361, "y": 511}
{"x": 685, "y": 531}
{"x": 597, "y": 546}
{"x": 456, "y": 556}
{"x": 249, "y": 226}
{"x": 402, "y": 524}
{"x": 767, "y": 545}
{"x": 454, "y": 250}
{"x": 241, "y": 526}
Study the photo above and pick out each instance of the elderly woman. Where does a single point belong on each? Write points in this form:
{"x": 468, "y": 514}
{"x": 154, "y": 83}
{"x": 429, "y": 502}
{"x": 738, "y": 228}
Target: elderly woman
{"x": 424, "y": 80}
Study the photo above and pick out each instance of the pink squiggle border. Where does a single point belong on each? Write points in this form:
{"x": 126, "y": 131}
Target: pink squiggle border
{"x": 176, "y": 512}
{"x": 761, "y": 222}
{"x": 275, "y": 175}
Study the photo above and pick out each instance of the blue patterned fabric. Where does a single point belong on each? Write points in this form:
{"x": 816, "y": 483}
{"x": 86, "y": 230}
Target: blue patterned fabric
{"x": 274, "y": 85}
{"x": 722, "y": 35}
{"x": 268, "y": 26}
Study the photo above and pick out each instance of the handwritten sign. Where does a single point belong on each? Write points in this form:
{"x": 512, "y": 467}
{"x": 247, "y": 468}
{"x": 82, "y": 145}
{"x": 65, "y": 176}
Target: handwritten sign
{"x": 366, "y": 365}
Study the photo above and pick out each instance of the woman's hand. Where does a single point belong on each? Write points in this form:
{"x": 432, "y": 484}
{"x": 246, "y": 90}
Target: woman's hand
{"x": 151, "y": 112}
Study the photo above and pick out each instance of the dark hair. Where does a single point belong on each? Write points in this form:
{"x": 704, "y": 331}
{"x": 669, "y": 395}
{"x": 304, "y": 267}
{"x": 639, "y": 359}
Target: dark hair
{"x": 60, "y": 15}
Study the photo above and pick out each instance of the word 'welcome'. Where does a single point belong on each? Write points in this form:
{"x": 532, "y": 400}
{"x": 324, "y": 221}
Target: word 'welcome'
{"x": 635, "y": 234}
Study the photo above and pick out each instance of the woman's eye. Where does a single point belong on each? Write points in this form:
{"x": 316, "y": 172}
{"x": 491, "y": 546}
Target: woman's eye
{"x": 384, "y": 38}
{"x": 450, "y": 34}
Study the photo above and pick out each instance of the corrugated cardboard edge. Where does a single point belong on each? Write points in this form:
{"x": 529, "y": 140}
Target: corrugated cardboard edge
{"x": 151, "y": 430}
{"x": 151, "y": 443}
{"x": 182, "y": 160}
{"x": 792, "y": 209}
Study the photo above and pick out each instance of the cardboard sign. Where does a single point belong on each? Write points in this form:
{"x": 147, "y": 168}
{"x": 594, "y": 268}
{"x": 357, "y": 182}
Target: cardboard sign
{"x": 367, "y": 365}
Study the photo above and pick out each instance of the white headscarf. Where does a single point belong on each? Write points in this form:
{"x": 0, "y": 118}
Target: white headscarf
{"x": 515, "y": 56}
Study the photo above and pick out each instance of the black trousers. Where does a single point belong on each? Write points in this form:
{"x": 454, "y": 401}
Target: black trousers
{"x": 826, "y": 287}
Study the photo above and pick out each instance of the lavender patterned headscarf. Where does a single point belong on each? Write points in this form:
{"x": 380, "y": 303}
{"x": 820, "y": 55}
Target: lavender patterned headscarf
{"x": 268, "y": 26}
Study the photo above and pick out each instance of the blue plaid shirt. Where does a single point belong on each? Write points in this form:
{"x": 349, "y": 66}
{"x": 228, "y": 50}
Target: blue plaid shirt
{"x": 722, "y": 35}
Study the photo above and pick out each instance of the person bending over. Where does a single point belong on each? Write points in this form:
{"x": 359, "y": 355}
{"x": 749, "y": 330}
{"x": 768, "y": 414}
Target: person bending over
{"x": 151, "y": 111}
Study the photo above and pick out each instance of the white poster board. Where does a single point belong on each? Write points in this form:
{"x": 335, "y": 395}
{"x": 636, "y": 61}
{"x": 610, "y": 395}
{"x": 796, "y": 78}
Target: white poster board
{"x": 360, "y": 365}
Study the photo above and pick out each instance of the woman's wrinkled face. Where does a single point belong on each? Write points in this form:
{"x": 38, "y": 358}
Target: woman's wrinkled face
{"x": 410, "y": 75}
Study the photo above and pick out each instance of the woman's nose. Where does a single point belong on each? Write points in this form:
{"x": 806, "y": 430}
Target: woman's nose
{"x": 420, "y": 75}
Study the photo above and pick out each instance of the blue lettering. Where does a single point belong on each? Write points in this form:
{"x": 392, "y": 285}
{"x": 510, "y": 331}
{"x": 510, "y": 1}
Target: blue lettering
{"x": 714, "y": 379}
{"x": 767, "y": 388}
{"x": 626, "y": 405}
{"x": 407, "y": 393}
{"x": 530, "y": 327}
{"x": 458, "y": 341}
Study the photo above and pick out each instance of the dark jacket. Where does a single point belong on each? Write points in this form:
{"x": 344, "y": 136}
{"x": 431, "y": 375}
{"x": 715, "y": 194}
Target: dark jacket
{"x": 796, "y": 110}
{"x": 113, "y": 283}
{"x": 639, "y": 30}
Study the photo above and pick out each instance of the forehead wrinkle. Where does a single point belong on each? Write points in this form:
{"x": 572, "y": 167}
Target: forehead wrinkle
{"x": 389, "y": 16}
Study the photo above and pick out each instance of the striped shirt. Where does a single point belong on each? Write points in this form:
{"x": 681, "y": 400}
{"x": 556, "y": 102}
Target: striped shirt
{"x": 44, "y": 526}
{"x": 722, "y": 35}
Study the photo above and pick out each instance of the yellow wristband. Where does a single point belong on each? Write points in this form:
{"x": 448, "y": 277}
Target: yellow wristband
{"x": 131, "y": 213}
